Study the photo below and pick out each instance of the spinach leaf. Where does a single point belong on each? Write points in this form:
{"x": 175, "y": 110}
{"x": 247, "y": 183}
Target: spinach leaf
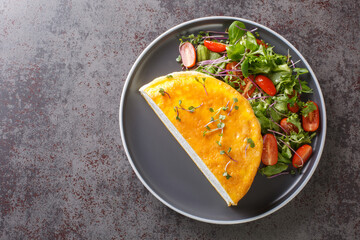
{"x": 236, "y": 33}
{"x": 244, "y": 67}
{"x": 283, "y": 159}
{"x": 274, "y": 169}
{"x": 250, "y": 42}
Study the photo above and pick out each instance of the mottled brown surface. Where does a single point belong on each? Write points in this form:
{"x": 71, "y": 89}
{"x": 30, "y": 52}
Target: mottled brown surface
{"x": 64, "y": 173}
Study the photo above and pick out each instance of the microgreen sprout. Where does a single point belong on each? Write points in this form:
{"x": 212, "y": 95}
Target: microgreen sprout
{"x": 222, "y": 152}
{"x": 190, "y": 109}
{"x": 222, "y": 117}
{"x": 211, "y": 109}
{"x": 169, "y": 76}
{"x": 163, "y": 92}
{"x": 235, "y": 100}
{"x": 202, "y": 83}
{"x": 227, "y": 175}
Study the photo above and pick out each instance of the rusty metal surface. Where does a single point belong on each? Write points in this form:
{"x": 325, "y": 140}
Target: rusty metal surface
{"x": 63, "y": 170}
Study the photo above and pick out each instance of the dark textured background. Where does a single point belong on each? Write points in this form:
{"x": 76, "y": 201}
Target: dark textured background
{"x": 63, "y": 170}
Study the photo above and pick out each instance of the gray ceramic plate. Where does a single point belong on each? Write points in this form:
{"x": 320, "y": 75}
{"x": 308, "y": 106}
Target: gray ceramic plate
{"x": 164, "y": 167}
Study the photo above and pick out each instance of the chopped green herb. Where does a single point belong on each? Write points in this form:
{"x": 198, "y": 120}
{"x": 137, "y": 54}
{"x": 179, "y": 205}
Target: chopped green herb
{"x": 227, "y": 175}
{"x": 211, "y": 109}
{"x": 252, "y": 144}
{"x": 204, "y": 133}
{"x": 169, "y": 76}
{"x": 308, "y": 108}
{"x": 235, "y": 99}
{"x": 236, "y": 107}
{"x": 207, "y": 127}
{"x": 177, "y": 118}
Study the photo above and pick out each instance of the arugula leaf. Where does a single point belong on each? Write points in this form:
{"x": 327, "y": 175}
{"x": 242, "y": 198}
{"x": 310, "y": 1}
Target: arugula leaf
{"x": 274, "y": 169}
{"x": 305, "y": 88}
{"x": 294, "y": 119}
{"x": 236, "y": 33}
{"x": 281, "y": 103}
{"x": 308, "y": 108}
{"x": 300, "y": 71}
{"x": 235, "y": 52}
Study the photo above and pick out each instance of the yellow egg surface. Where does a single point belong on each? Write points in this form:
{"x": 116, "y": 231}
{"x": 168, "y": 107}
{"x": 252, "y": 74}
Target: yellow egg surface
{"x": 214, "y": 123}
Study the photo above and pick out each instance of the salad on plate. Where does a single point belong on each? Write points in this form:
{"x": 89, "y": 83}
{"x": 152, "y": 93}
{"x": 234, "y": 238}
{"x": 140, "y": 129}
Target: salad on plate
{"x": 272, "y": 84}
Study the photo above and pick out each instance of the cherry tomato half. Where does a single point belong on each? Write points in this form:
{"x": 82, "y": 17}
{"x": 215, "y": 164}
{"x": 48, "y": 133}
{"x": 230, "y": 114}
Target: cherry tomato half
{"x": 295, "y": 107}
{"x": 247, "y": 90}
{"x": 260, "y": 42}
{"x": 214, "y": 46}
{"x": 265, "y": 84}
{"x": 288, "y": 126}
{"x": 270, "y": 150}
{"x": 188, "y": 54}
{"x": 311, "y": 122}
{"x": 304, "y": 152}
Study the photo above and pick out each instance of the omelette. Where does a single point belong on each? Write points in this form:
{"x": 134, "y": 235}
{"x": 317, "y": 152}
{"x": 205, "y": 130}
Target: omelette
{"x": 214, "y": 124}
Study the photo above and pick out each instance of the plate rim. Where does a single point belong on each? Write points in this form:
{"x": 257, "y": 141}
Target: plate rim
{"x": 323, "y": 121}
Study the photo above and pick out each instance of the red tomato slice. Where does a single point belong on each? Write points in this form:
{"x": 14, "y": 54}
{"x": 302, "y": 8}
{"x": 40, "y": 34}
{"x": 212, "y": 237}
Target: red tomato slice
{"x": 304, "y": 152}
{"x": 265, "y": 84}
{"x": 295, "y": 108}
{"x": 270, "y": 150}
{"x": 188, "y": 54}
{"x": 311, "y": 122}
{"x": 215, "y": 46}
{"x": 289, "y": 127}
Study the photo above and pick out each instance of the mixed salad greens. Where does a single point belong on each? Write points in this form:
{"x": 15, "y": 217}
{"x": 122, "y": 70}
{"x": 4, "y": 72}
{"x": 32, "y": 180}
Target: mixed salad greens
{"x": 270, "y": 81}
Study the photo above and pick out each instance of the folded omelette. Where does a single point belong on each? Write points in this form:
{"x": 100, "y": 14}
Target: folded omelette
{"x": 214, "y": 124}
